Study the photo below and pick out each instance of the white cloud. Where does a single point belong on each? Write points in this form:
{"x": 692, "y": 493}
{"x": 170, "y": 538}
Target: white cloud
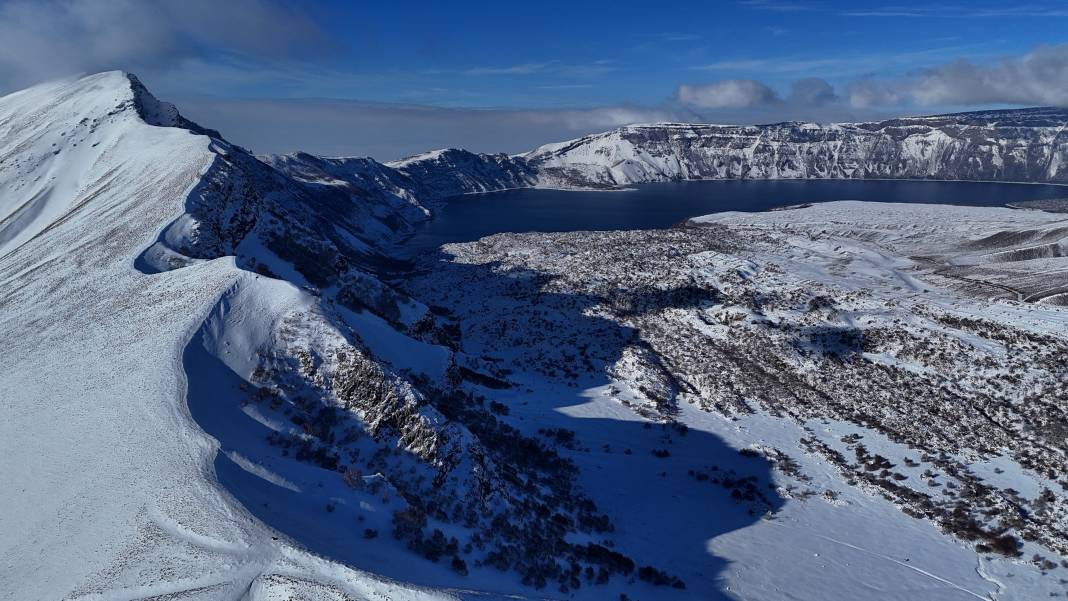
{"x": 812, "y": 91}
{"x": 551, "y": 67}
{"x": 523, "y": 69}
{"x": 1038, "y": 77}
{"x": 43, "y": 39}
{"x": 727, "y": 93}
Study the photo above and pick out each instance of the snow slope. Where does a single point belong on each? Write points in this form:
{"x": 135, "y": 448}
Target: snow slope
{"x": 110, "y": 487}
{"x": 214, "y": 391}
{"x": 896, "y": 416}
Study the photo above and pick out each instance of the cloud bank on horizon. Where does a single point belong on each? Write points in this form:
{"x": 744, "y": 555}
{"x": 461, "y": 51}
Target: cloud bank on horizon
{"x": 346, "y": 78}
{"x": 1039, "y": 77}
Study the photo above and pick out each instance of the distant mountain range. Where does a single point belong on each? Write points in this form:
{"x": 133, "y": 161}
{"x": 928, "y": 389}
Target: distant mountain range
{"x": 1027, "y": 145}
{"x": 1023, "y": 145}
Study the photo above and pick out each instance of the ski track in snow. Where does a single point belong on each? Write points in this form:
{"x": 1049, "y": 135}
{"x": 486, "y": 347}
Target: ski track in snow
{"x": 178, "y": 531}
{"x": 905, "y": 565}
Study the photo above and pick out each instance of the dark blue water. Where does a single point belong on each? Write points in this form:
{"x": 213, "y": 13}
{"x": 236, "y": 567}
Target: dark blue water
{"x": 649, "y": 206}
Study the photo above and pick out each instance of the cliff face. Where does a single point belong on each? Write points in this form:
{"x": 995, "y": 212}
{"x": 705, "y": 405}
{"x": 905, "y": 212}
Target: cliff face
{"x": 1014, "y": 145}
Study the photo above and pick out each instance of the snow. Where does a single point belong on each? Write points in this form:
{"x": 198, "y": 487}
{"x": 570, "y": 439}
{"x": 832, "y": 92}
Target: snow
{"x": 857, "y": 547}
{"x": 430, "y": 155}
{"x": 916, "y": 148}
{"x": 824, "y": 538}
{"x": 111, "y": 489}
{"x": 136, "y": 465}
{"x": 395, "y": 348}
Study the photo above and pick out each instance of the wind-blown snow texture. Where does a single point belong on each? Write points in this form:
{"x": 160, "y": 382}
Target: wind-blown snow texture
{"x": 219, "y": 384}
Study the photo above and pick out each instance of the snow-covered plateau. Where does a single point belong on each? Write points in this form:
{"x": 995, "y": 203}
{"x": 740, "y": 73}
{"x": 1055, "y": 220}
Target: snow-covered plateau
{"x": 219, "y": 381}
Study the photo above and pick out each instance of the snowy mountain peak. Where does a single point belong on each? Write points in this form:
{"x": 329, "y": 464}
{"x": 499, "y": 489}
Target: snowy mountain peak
{"x": 159, "y": 113}
{"x": 154, "y": 112}
{"x": 58, "y": 137}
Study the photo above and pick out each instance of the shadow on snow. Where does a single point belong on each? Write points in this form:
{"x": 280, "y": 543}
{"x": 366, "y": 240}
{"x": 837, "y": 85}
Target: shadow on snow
{"x": 668, "y": 491}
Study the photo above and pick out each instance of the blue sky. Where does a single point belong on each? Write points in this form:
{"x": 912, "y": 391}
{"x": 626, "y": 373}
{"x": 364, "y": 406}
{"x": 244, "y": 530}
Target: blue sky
{"x": 523, "y": 54}
{"x": 387, "y": 79}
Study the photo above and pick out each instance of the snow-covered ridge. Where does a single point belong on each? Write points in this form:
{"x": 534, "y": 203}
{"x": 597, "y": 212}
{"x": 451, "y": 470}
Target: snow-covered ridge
{"x": 206, "y": 376}
{"x": 130, "y": 238}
